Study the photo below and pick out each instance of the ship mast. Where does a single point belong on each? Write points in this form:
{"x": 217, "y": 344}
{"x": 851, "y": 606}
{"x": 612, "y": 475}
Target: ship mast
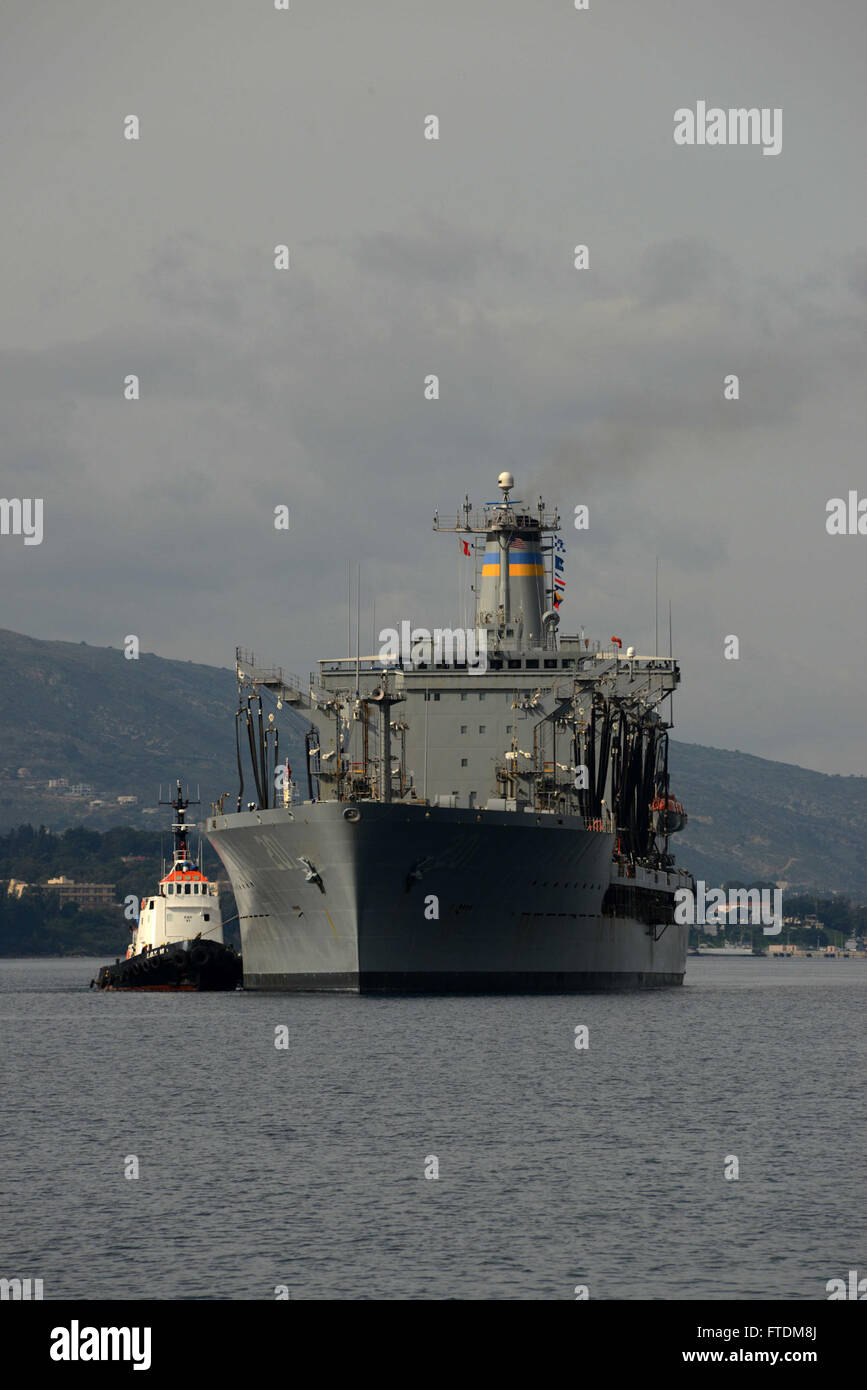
{"x": 512, "y": 600}
{"x": 180, "y": 828}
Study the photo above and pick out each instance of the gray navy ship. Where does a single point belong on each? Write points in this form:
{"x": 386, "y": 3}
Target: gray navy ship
{"x": 481, "y": 811}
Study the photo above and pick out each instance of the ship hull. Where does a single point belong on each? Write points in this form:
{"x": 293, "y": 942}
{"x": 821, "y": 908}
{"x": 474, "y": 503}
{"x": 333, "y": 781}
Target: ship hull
{"x": 409, "y": 899}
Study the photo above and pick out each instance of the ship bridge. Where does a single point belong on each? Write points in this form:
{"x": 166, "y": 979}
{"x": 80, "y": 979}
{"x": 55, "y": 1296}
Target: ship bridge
{"x": 187, "y": 883}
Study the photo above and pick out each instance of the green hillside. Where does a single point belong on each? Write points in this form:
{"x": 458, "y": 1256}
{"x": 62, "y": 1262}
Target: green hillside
{"x": 121, "y": 727}
{"x": 752, "y": 819}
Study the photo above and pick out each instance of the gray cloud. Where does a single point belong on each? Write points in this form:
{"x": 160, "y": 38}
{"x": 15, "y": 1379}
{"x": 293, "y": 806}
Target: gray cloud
{"x": 602, "y": 387}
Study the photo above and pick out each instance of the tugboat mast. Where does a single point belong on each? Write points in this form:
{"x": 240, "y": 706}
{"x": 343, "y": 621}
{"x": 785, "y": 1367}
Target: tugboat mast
{"x": 180, "y": 829}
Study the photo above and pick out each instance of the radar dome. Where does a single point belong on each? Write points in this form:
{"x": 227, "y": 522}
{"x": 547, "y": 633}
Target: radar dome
{"x": 506, "y": 482}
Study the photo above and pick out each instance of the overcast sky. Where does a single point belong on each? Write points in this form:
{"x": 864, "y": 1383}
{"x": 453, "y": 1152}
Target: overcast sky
{"x": 455, "y": 257}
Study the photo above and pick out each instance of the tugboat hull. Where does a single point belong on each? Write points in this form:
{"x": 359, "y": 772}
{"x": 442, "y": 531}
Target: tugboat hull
{"x": 198, "y": 965}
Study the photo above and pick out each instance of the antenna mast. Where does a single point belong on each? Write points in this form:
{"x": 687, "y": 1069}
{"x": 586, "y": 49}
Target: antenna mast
{"x": 656, "y": 608}
{"x": 357, "y": 630}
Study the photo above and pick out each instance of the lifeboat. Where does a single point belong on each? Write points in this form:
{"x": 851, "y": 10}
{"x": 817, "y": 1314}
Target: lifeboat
{"x": 669, "y": 815}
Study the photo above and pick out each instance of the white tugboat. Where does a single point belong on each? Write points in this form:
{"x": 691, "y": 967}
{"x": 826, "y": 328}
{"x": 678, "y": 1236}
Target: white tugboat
{"x": 177, "y": 943}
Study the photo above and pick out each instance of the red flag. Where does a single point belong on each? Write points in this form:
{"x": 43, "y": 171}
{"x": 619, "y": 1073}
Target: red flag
{"x": 617, "y": 640}
{"x": 466, "y": 547}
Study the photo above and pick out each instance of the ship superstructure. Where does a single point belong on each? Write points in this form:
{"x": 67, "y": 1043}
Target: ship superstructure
{"x": 480, "y": 810}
